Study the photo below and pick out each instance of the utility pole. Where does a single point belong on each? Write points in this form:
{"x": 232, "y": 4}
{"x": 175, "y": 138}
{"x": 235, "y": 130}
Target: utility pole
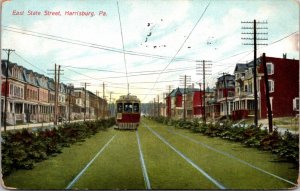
{"x": 55, "y": 95}
{"x": 70, "y": 87}
{"x": 184, "y": 99}
{"x": 110, "y": 105}
{"x": 97, "y": 97}
{"x": 201, "y": 102}
{"x": 84, "y": 101}
{"x": 57, "y": 74}
{"x": 226, "y": 94}
{"x": 153, "y": 106}
{"x": 205, "y": 71}
{"x": 6, "y": 87}
{"x": 254, "y": 33}
{"x": 103, "y": 108}
{"x": 169, "y": 107}
{"x": 158, "y": 106}
{"x": 84, "y": 84}
{"x": 184, "y": 80}
{"x": 268, "y": 104}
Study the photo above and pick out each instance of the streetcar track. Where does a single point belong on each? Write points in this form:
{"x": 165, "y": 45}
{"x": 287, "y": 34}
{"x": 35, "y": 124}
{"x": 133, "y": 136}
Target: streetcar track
{"x": 188, "y": 160}
{"x": 86, "y": 167}
{"x": 144, "y": 169}
{"x": 233, "y": 157}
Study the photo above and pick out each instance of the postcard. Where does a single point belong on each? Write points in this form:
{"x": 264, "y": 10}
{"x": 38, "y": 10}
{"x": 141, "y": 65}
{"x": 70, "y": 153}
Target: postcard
{"x": 161, "y": 94}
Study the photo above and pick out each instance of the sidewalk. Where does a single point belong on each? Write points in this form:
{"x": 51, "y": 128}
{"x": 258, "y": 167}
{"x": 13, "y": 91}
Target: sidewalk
{"x": 281, "y": 130}
{"x": 36, "y": 125}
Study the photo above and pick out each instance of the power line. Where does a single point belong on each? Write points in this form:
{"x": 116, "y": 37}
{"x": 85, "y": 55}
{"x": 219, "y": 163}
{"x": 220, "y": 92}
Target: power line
{"x": 90, "y": 45}
{"x": 29, "y": 62}
{"x": 182, "y": 44}
{"x": 124, "y": 57}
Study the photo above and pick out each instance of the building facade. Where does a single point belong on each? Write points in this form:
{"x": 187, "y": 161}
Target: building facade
{"x": 29, "y": 97}
{"x": 283, "y": 91}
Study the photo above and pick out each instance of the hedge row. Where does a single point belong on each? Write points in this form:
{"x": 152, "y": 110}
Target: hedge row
{"x": 23, "y": 148}
{"x": 286, "y": 146}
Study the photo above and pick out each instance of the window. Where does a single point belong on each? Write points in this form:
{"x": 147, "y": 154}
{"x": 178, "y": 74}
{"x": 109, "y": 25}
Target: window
{"x": 270, "y": 68}
{"x": 135, "y": 107}
{"x": 296, "y": 104}
{"x": 120, "y": 107}
{"x": 128, "y": 107}
{"x": 11, "y": 88}
{"x": 271, "y": 85}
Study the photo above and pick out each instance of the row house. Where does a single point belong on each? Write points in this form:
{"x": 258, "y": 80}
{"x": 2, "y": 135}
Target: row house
{"x": 27, "y": 96}
{"x": 70, "y": 102}
{"x": 243, "y": 104}
{"x": 234, "y": 94}
{"x": 44, "y": 107}
{"x": 194, "y": 102}
{"x": 174, "y": 103}
{"x": 283, "y": 82}
{"x": 81, "y": 104}
{"x": 88, "y": 105}
{"x": 15, "y": 92}
{"x": 212, "y": 106}
{"x": 62, "y": 107}
{"x": 225, "y": 91}
{"x": 31, "y": 97}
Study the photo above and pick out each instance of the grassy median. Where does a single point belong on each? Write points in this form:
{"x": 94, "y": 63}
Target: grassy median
{"x": 57, "y": 172}
{"x": 230, "y": 172}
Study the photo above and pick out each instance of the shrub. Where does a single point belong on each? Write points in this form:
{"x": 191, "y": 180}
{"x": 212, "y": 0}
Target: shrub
{"x": 21, "y": 149}
{"x": 286, "y": 146}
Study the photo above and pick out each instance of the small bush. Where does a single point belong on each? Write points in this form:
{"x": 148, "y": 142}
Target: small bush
{"x": 21, "y": 149}
{"x": 286, "y": 146}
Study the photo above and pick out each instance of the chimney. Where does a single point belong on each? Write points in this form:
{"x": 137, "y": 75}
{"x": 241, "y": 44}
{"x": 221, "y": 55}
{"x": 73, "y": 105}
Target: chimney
{"x": 284, "y": 55}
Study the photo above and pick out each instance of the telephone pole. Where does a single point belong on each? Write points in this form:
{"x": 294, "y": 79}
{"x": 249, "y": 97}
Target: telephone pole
{"x": 226, "y": 94}
{"x": 84, "y": 84}
{"x": 6, "y": 87}
{"x": 185, "y": 80}
{"x": 70, "y": 88}
{"x": 268, "y": 104}
{"x": 57, "y": 74}
{"x": 153, "y": 107}
{"x": 57, "y": 94}
{"x": 205, "y": 71}
{"x": 103, "y": 108}
{"x": 254, "y": 39}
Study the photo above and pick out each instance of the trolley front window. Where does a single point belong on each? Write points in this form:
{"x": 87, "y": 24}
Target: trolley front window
{"x": 136, "y": 107}
{"x": 128, "y": 107}
{"x": 120, "y": 107}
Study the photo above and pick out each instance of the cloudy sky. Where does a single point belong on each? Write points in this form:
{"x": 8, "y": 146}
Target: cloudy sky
{"x": 162, "y": 39}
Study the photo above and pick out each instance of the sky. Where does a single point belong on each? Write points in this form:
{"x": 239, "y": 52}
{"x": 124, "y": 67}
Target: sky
{"x": 163, "y": 40}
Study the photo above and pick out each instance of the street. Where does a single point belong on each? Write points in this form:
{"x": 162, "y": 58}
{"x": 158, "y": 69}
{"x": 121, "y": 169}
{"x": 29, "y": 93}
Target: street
{"x": 157, "y": 157}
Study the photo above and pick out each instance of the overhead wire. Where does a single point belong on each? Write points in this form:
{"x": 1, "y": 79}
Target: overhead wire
{"x": 181, "y": 45}
{"x": 124, "y": 57}
{"x": 185, "y": 60}
{"x": 90, "y": 45}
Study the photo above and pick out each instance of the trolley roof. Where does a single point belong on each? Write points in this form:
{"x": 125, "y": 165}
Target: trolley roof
{"x": 128, "y": 98}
